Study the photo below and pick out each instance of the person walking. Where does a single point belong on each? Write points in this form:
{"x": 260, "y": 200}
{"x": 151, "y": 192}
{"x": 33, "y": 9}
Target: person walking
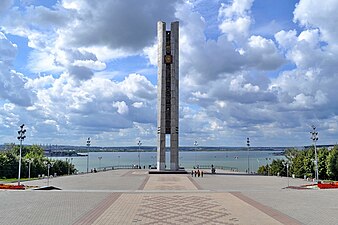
{"x": 192, "y": 173}
{"x": 202, "y": 173}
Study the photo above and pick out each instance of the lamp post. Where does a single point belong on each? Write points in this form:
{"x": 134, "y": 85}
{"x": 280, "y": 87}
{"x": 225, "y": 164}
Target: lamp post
{"x": 153, "y": 160}
{"x": 88, "y": 145}
{"x": 49, "y": 165}
{"x": 29, "y": 168}
{"x": 21, "y": 137}
{"x": 139, "y": 143}
{"x": 314, "y": 137}
{"x": 67, "y": 166}
{"x": 100, "y": 157}
{"x": 248, "y": 146}
{"x": 71, "y": 163}
{"x": 268, "y": 165}
{"x": 195, "y": 144}
{"x": 287, "y": 171}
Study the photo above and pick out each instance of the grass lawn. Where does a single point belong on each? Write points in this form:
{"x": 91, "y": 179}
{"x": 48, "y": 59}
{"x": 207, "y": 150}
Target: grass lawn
{"x": 14, "y": 180}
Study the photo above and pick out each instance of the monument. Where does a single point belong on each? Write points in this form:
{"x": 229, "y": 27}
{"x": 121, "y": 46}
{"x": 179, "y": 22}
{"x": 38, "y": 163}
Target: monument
{"x": 167, "y": 94}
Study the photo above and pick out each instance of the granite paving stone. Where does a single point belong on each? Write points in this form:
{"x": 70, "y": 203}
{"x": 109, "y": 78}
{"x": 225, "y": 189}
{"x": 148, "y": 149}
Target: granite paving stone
{"x": 136, "y": 197}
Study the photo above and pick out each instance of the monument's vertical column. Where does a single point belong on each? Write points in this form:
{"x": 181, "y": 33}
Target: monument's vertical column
{"x": 174, "y": 164}
{"x": 161, "y": 36}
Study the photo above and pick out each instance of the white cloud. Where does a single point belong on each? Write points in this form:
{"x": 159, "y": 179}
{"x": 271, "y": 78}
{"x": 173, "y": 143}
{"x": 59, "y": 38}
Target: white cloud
{"x": 40, "y": 82}
{"x": 235, "y": 28}
{"x": 233, "y": 83}
{"x": 286, "y": 38}
{"x": 122, "y": 107}
{"x": 8, "y": 107}
{"x": 235, "y": 19}
{"x": 151, "y": 54}
{"x": 319, "y": 14}
{"x": 121, "y": 24}
{"x": 138, "y": 104}
{"x": 137, "y": 87}
{"x": 8, "y": 50}
{"x": 263, "y": 54}
{"x": 12, "y": 83}
{"x": 237, "y": 8}
{"x": 95, "y": 65}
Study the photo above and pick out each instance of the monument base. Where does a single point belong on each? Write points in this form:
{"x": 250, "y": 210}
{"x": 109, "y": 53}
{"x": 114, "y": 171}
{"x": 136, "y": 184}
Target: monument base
{"x": 180, "y": 171}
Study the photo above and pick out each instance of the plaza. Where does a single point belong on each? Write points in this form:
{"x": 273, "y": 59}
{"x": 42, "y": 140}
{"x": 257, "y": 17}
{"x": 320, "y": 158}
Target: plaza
{"x": 136, "y": 197}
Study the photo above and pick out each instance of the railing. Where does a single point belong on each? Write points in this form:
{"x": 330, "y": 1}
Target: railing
{"x": 106, "y": 168}
{"x": 235, "y": 169}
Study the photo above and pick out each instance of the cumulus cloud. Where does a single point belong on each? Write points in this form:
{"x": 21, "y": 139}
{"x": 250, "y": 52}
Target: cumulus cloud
{"x": 12, "y": 83}
{"x": 263, "y": 53}
{"x": 97, "y": 105}
{"x": 121, "y": 24}
{"x": 233, "y": 84}
{"x": 235, "y": 19}
{"x": 322, "y": 15}
{"x": 64, "y": 36}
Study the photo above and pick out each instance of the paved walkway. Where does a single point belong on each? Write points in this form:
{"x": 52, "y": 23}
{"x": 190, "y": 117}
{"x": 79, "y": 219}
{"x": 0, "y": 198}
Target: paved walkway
{"x": 135, "y": 197}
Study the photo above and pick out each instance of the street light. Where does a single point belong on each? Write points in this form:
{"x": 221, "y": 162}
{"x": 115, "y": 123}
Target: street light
{"x": 69, "y": 164}
{"x": 195, "y": 144}
{"x": 248, "y": 146}
{"x": 314, "y": 137}
{"x": 49, "y": 165}
{"x": 139, "y": 143}
{"x": 268, "y": 165}
{"x": 287, "y": 171}
{"x": 100, "y": 157}
{"x": 29, "y": 168}
{"x": 21, "y": 137}
{"x": 88, "y": 145}
{"x": 153, "y": 160}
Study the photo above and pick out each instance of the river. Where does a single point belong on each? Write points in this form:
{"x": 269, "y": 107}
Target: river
{"x": 228, "y": 159}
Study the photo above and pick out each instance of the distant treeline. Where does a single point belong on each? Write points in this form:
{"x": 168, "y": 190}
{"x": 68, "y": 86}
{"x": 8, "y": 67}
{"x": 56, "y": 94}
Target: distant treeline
{"x": 145, "y": 148}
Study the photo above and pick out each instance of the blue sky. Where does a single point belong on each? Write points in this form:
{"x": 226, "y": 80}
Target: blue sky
{"x": 72, "y": 69}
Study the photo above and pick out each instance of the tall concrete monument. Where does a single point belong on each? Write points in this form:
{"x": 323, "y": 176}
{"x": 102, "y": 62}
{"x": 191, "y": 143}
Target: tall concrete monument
{"x": 167, "y": 94}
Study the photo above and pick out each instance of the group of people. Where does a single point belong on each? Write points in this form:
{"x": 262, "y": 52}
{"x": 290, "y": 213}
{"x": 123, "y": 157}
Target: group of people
{"x": 197, "y": 173}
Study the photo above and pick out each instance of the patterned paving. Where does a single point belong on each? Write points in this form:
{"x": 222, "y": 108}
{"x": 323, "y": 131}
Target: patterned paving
{"x": 174, "y": 207}
{"x": 182, "y": 209}
{"x": 169, "y": 182}
{"x": 92, "y": 215}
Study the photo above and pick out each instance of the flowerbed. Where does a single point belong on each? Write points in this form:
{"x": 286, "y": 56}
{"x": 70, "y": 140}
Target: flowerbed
{"x": 12, "y": 187}
{"x": 327, "y": 185}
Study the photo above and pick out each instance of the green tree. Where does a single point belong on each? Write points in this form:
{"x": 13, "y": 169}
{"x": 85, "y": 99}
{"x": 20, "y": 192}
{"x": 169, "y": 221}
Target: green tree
{"x": 263, "y": 170}
{"x": 9, "y": 163}
{"x": 277, "y": 167}
{"x": 322, "y": 163}
{"x": 332, "y": 164}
